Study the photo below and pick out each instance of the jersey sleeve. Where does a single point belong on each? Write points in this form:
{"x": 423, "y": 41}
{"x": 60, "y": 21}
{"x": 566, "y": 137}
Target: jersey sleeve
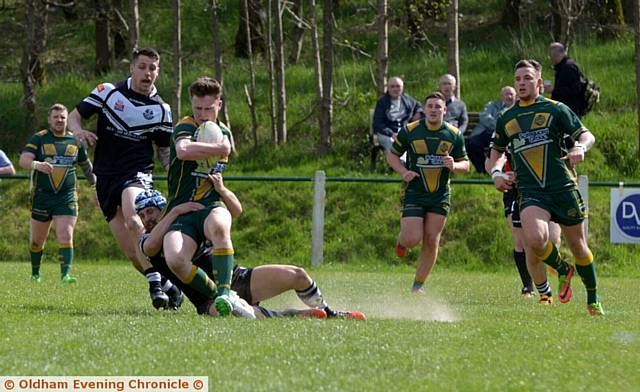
{"x": 95, "y": 101}
{"x": 569, "y": 122}
{"x": 162, "y": 133}
{"x": 33, "y": 145}
{"x": 459, "y": 152}
{"x": 400, "y": 145}
{"x": 183, "y": 130}
{"x": 500, "y": 140}
{"x": 82, "y": 154}
{"x": 4, "y": 160}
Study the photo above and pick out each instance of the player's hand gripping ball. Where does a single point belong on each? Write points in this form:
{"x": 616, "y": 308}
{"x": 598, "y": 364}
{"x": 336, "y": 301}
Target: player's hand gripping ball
{"x": 209, "y": 132}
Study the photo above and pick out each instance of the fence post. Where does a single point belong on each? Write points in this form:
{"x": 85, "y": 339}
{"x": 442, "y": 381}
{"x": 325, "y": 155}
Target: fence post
{"x": 583, "y": 187}
{"x": 317, "y": 223}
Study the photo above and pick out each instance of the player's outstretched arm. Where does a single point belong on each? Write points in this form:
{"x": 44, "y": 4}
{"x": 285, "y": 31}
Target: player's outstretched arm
{"x": 188, "y": 150}
{"x": 228, "y": 197}
{"x": 75, "y": 126}
{"x": 153, "y": 244}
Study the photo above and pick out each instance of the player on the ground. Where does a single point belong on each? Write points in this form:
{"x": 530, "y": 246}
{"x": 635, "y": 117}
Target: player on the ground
{"x": 131, "y": 119}
{"x": 52, "y": 155}
{"x": 535, "y": 127}
{"x": 188, "y": 181}
{"x": 252, "y": 284}
{"x": 434, "y": 150}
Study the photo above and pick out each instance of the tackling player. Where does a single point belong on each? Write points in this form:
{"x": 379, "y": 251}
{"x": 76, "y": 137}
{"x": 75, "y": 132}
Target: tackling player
{"x": 52, "y": 155}
{"x": 131, "y": 119}
{"x": 535, "y": 127}
{"x": 434, "y": 150}
{"x": 252, "y": 284}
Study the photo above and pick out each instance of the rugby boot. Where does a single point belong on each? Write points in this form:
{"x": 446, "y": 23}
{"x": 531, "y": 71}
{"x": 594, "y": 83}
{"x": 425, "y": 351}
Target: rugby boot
{"x": 595, "y": 309}
{"x": 564, "y": 281}
{"x": 68, "y": 279}
{"x": 159, "y": 299}
{"x": 36, "y": 278}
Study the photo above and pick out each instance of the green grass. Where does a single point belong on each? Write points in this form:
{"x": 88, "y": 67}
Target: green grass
{"x": 472, "y": 331}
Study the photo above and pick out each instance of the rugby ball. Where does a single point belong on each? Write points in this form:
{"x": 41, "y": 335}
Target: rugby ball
{"x": 209, "y": 132}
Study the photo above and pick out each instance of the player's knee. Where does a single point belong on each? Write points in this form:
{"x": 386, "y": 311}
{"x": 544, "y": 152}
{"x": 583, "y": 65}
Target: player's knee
{"x": 301, "y": 277}
{"x": 410, "y": 240}
{"x": 432, "y": 240}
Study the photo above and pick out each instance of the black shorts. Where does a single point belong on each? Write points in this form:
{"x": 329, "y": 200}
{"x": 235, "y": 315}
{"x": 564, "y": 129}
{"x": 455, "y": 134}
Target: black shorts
{"x": 512, "y": 207}
{"x": 109, "y": 190}
{"x": 241, "y": 283}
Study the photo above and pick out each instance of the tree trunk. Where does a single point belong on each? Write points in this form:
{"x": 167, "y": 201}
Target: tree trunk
{"x": 611, "y": 19}
{"x": 636, "y": 27}
{"x": 556, "y": 21}
{"x": 217, "y": 59}
{"x": 326, "y": 111}
{"x": 177, "y": 62}
{"x": 251, "y": 93}
{"x": 119, "y": 29}
{"x": 134, "y": 24}
{"x": 298, "y": 32}
{"x": 382, "y": 59}
{"x": 103, "y": 37}
{"x": 511, "y": 14}
{"x": 31, "y": 67}
{"x": 272, "y": 81}
{"x": 453, "y": 60}
{"x": 255, "y": 27}
{"x": 317, "y": 66}
{"x": 280, "y": 80}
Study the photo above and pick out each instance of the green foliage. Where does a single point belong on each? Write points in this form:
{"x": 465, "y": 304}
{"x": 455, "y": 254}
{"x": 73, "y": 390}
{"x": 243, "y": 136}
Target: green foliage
{"x": 491, "y": 336}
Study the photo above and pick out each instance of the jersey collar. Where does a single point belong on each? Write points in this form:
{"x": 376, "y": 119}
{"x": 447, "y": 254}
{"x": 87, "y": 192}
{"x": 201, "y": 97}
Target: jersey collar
{"x": 153, "y": 92}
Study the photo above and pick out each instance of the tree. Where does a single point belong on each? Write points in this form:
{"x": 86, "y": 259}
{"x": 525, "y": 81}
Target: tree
{"x": 256, "y": 29}
{"x": 453, "y": 59}
{"x": 636, "y": 26}
{"x": 382, "y": 59}
{"x": 281, "y": 113}
{"x": 298, "y": 31}
{"x": 177, "y": 61}
{"x": 134, "y": 24}
{"x": 119, "y": 31}
{"x": 32, "y": 67}
{"x": 217, "y": 58}
{"x": 251, "y": 93}
{"x": 326, "y": 109}
{"x": 511, "y": 14}
{"x": 103, "y": 36}
{"x": 611, "y": 19}
{"x": 317, "y": 65}
{"x": 272, "y": 82}
{"x": 566, "y": 13}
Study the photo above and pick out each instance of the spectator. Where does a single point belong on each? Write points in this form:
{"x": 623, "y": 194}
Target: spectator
{"x": 393, "y": 111}
{"x": 567, "y": 87}
{"x": 456, "y": 114}
{"x": 6, "y": 167}
{"x": 480, "y": 137}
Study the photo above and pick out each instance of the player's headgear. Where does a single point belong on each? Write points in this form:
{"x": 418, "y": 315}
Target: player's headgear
{"x": 149, "y": 198}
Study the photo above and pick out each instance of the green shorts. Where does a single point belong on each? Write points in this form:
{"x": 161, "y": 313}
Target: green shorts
{"x": 45, "y": 205}
{"x": 192, "y": 224}
{"x": 566, "y": 207}
{"x": 419, "y": 203}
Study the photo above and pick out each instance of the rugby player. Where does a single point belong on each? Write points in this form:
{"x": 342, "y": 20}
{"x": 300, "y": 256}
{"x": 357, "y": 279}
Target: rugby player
{"x": 52, "y": 155}
{"x": 434, "y": 150}
{"x": 252, "y": 284}
{"x": 535, "y": 126}
{"x": 131, "y": 119}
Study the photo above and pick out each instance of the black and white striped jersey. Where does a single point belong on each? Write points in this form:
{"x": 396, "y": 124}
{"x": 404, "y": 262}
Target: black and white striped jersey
{"x": 128, "y": 125}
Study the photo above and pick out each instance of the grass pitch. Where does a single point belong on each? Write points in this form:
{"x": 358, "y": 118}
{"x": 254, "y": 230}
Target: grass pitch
{"x": 472, "y": 331}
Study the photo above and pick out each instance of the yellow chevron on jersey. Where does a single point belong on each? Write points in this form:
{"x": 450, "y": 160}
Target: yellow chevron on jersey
{"x": 420, "y": 146}
{"x": 49, "y": 149}
{"x": 57, "y": 176}
{"x": 431, "y": 177}
{"x": 535, "y": 159}
{"x": 412, "y": 125}
{"x": 512, "y": 127}
{"x": 452, "y": 128}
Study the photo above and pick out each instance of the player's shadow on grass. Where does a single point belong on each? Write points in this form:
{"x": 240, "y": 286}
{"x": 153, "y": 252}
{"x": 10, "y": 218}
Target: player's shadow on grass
{"x": 67, "y": 311}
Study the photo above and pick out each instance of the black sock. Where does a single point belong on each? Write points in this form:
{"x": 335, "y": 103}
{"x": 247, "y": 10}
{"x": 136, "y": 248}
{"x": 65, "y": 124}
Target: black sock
{"x": 521, "y": 263}
{"x": 330, "y": 312}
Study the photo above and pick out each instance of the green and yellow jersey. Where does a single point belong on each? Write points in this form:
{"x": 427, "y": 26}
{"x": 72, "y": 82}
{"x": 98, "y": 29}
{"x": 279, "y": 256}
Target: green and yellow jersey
{"x": 536, "y": 132}
{"x": 188, "y": 179}
{"x": 62, "y": 152}
{"x": 426, "y": 149}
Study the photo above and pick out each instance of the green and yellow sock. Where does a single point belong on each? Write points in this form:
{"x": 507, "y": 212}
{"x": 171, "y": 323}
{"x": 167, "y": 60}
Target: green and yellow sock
{"x": 223, "y": 269}
{"x": 65, "y": 253}
{"x": 587, "y": 271}
{"x": 36, "y": 259}
{"x": 199, "y": 281}
{"x": 551, "y": 257}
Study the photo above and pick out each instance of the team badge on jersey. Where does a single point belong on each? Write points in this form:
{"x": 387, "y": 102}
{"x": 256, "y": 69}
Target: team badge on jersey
{"x": 119, "y": 106}
{"x": 148, "y": 114}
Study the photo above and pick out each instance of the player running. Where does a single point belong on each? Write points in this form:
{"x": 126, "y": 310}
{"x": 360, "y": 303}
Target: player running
{"x": 52, "y": 155}
{"x": 535, "y": 127}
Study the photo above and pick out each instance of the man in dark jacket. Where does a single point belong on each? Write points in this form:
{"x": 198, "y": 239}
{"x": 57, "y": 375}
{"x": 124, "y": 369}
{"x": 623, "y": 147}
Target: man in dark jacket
{"x": 393, "y": 111}
{"x": 568, "y": 86}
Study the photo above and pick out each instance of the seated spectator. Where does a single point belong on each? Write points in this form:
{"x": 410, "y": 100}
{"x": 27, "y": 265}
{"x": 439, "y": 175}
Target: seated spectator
{"x": 393, "y": 111}
{"x": 6, "y": 167}
{"x": 480, "y": 137}
{"x": 567, "y": 87}
{"x": 456, "y": 114}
